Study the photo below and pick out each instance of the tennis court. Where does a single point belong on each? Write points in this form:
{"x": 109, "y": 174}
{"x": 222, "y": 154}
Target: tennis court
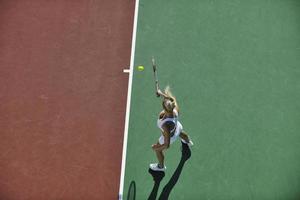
{"x": 234, "y": 68}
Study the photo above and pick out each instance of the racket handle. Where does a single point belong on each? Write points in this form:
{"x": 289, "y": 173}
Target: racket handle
{"x": 157, "y": 89}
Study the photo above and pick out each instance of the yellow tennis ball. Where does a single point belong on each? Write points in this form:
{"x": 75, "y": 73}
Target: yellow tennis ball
{"x": 141, "y": 68}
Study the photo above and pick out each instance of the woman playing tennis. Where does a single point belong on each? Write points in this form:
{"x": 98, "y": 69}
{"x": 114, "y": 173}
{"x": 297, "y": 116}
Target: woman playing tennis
{"x": 170, "y": 127}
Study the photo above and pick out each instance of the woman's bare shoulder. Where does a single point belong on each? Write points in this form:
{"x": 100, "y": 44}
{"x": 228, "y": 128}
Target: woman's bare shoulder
{"x": 175, "y": 111}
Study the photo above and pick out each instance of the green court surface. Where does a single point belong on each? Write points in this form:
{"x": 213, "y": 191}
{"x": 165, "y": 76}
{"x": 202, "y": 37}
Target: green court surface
{"x": 234, "y": 67}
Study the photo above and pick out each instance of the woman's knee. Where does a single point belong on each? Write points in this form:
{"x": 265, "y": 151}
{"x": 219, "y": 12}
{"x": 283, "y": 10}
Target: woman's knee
{"x": 183, "y": 134}
{"x": 159, "y": 152}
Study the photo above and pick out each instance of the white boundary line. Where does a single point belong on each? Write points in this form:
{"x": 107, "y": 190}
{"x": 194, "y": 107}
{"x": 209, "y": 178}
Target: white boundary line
{"x": 126, "y": 70}
{"x": 128, "y": 100}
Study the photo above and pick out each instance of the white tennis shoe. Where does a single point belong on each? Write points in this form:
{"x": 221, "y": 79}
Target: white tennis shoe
{"x": 190, "y": 143}
{"x": 155, "y": 167}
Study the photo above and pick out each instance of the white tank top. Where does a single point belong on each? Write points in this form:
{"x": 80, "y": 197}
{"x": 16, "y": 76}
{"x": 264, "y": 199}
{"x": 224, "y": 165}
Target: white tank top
{"x": 161, "y": 122}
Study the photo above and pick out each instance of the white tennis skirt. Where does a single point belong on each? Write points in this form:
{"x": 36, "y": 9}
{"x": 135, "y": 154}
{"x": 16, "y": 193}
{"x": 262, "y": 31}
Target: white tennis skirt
{"x": 178, "y": 130}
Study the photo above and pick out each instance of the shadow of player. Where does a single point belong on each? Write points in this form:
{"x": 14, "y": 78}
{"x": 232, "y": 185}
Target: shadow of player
{"x": 158, "y": 176}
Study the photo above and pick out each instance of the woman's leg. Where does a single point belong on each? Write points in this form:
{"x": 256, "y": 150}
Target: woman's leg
{"x": 183, "y": 135}
{"x": 160, "y": 158}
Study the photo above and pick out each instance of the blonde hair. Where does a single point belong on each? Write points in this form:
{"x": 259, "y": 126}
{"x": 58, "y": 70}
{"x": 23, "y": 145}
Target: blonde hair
{"x": 170, "y": 96}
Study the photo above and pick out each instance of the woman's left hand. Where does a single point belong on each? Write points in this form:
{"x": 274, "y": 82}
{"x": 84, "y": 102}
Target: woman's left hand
{"x": 159, "y": 93}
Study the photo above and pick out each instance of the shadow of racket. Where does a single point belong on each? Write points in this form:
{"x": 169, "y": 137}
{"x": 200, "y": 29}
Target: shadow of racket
{"x": 131, "y": 191}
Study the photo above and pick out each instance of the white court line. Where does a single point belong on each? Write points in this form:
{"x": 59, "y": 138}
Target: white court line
{"x": 126, "y": 70}
{"x": 128, "y": 100}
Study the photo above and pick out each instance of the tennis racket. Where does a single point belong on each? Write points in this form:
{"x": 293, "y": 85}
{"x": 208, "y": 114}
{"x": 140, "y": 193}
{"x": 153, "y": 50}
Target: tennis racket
{"x": 155, "y": 76}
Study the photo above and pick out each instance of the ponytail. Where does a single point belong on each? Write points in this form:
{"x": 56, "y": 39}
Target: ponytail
{"x": 170, "y": 96}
